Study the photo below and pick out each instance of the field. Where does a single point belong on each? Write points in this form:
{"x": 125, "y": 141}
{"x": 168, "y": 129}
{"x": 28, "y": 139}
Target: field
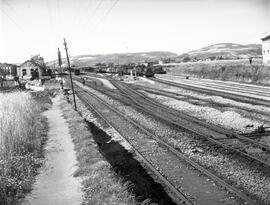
{"x": 22, "y": 134}
{"x": 233, "y": 70}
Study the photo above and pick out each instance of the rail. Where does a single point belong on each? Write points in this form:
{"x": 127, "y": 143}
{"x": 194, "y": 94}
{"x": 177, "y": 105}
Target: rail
{"x": 176, "y": 152}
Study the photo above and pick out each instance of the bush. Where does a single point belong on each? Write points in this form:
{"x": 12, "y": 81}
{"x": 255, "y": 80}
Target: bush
{"x": 234, "y": 70}
{"x": 186, "y": 59}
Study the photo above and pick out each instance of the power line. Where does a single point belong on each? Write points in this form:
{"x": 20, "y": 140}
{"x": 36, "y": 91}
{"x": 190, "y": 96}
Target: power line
{"x": 106, "y": 14}
{"x": 86, "y": 23}
{"x": 76, "y": 15}
{"x": 17, "y": 16}
{"x": 59, "y": 17}
{"x": 13, "y": 21}
{"x": 49, "y": 8}
{"x": 81, "y": 18}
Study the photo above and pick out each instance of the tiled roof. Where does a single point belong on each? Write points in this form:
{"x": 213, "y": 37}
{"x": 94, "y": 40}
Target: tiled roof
{"x": 266, "y": 38}
{"x": 33, "y": 63}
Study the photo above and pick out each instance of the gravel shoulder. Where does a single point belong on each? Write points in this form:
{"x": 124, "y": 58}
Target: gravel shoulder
{"x": 101, "y": 184}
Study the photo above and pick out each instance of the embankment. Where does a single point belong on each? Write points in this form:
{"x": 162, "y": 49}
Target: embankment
{"x": 233, "y": 70}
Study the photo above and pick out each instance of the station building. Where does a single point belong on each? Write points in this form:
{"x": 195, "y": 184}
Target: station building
{"x": 266, "y": 50}
{"x": 33, "y": 68}
{"x": 26, "y": 70}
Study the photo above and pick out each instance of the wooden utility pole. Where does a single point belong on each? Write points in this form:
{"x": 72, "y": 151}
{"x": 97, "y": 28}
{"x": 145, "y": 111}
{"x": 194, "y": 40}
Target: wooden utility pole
{"x": 65, "y": 44}
{"x": 60, "y": 63}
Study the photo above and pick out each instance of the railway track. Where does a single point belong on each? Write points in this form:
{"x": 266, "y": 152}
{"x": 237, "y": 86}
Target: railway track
{"x": 214, "y": 134}
{"x": 181, "y": 96}
{"x": 83, "y": 97}
{"x": 252, "y": 99}
{"x": 141, "y": 144}
{"x": 260, "y": 91}
{"x": 219, "y": 84}
{"x": 185, "y": 97}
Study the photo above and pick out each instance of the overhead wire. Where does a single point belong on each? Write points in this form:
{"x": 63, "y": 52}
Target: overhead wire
{"x": 14, "y": 12}
{"x": 49, "y": 9}
{"x": 106, "y": 14}
{"x": 88, "y": 19}
{"x": 73, "y": 7}
{"x": 25, "y": 34}
{"x": 82, "y": 17}
{"x": 85, "y": 24}
{"x": 84, "y": 21}
{"x": 59, "y": 12}
{"x": 85, "y": 11}
{"x": 12, "y": 20}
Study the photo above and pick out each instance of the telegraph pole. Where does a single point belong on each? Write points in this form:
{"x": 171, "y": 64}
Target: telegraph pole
{"x": 65, "y": 44}
{"x": 60, "y": 63}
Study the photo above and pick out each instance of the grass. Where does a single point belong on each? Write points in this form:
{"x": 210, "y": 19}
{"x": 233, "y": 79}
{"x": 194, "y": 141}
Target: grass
{"x": 22, "y": 135}
{"x": 233, "y": 70}
{"x": 100, "y": 184}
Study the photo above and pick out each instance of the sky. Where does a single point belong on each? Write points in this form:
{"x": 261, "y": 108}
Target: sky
{"x": 30, "y": 27}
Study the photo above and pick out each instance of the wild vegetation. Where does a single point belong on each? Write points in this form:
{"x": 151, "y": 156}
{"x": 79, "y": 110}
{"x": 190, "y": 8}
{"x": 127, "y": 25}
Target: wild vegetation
{"x": 22, "y": 133}
{"x": 234, "y": 70}
{"x": 101, "y": 185}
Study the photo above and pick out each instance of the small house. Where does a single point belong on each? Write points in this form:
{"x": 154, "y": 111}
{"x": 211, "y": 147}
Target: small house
{"x": 266, "y": 50}
{"x": 29, "y": 69}
{"x": 32, "y": 69}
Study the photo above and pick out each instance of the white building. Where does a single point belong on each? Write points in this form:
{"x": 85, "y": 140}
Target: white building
{"x": 266, "y": 50}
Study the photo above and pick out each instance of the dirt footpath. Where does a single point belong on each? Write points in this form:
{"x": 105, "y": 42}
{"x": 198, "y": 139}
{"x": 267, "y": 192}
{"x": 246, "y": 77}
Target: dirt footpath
{"x": 55, "y": 185}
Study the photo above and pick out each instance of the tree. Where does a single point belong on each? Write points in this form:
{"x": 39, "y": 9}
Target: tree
{"x": 212, "y": 58}
{"x": 38, "y": 61}
{"x": 186, "y": 59}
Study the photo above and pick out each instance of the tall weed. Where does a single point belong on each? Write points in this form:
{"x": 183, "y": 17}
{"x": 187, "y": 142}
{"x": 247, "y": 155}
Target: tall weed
{"x": 22, "y": 134}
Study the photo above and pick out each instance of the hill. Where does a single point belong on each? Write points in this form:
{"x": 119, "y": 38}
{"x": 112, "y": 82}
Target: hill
{"x": 224, "y": 51}
{"x": 122, "y": 58}
{"x": 216, "y": 51}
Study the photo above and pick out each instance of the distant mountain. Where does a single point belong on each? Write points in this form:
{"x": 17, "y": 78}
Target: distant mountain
{"x": 122, "y": 58}
{"x": 224, "y": 51}
{"x": 216, "y": 51}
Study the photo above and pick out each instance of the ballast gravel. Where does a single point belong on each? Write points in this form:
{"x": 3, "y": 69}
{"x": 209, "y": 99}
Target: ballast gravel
{"x": 230, "y": 167}
{"x": 262, "y": 119}
{"x": 228, "y": 119}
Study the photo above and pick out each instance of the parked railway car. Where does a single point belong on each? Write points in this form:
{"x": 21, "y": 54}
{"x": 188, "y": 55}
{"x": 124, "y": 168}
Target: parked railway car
{"x": 159, "y": 69}
{"x": 88, "y": 69}
{"x": 140, "y": 70}
{"x": 77, "y": 72}
{"x": 149, "y": 72}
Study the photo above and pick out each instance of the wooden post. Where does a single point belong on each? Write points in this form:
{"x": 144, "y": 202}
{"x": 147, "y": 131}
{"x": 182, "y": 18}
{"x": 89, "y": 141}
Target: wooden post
{"x": 60, "y": 63}
{"x": 65, "y": 44}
